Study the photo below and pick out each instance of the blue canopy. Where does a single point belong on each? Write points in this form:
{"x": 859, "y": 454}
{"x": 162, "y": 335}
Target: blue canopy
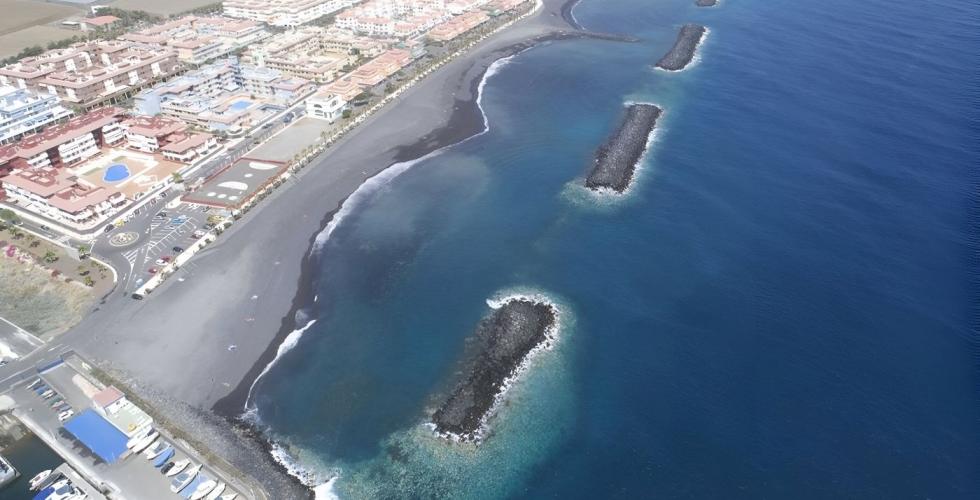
{"x": 98, "y": 435}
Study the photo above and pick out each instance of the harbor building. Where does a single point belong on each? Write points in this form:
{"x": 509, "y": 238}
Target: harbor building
{"x": 23, "y": 112}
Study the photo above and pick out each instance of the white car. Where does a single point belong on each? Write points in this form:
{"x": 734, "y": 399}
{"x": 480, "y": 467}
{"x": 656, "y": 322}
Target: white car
{"x": 65, "y": 415}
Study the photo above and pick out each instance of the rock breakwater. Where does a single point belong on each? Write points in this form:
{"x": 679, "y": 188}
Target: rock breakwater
{"x": 682, "y": 53}
{"x": 504, "y": 339}
{"x": 615, "y": 161}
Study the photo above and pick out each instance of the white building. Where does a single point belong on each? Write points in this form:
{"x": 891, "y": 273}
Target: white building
{"x": 283, "y": 12}
{"x": 325, "y": 105}
{"x": 22, "y": 112}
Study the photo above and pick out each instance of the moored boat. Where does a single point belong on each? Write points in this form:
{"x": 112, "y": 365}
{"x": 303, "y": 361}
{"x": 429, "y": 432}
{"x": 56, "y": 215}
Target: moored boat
{"x": 162, "y": 459}
{"x": 181, "y": 480}
{"x": 203, "y": 489}
{"x": 178, "y": 467}
{"x": 39, "y": 479}
{"x": 147, "y": 441}
{"x": 155, "y": 449}
{"x": 216, "y": 492}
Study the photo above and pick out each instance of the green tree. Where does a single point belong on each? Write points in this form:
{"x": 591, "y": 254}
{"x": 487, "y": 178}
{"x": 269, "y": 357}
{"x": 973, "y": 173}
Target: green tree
{"x": 8, "y": 215}
{"x": 50, "y": 257}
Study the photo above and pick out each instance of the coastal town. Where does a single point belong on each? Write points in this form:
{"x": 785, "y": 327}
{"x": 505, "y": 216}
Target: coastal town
{"x": 132, "y": 148}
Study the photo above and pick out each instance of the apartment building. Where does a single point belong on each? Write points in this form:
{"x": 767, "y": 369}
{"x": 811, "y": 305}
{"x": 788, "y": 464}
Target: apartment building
{"x": 313, "y": 53}
{"x": 169, "y": 137}
{"x": 224, "y": 96}
{"x": 23, "y": 112}
{"x": 92, "y": 73}
{"x": 458, "y": 25}
{"x": 199, "y": 39}
{"x": 378, "y": 69}
{"x": 208, "y": 81}
{"x": 283, "y": 12}
{"x": 34, "y": 174}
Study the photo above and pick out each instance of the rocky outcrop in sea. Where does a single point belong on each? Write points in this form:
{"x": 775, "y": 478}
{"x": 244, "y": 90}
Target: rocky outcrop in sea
{"x": 706, "y": 3}
{"x": 616, "y": 160}
{"x": 682, "y": 53}
{"x": 503, "y": 341}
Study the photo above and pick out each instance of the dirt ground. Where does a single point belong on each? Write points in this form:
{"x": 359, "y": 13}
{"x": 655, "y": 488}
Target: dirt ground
{"x": 12, "y": 43}
{"x": 33, "y": 22}
{"x": 158, "y": 7}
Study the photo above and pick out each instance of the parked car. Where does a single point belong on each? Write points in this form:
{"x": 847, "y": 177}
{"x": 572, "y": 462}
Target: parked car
{"x": 162, "y": 261}
{"x": 177, "y": 249}
{"x": 152, "y": 270}
{"x": 108, "y": 228}
{"x": 198, "y": 234}
{"x": 162, "y": 215}
{"x": 65, "y": 415}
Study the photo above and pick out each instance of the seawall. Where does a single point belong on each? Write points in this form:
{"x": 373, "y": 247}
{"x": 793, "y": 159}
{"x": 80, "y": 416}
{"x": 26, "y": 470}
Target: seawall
{"x": 504, "y": 339}
{"x": 616, "y": 160}
{"x": 682, "y": 53}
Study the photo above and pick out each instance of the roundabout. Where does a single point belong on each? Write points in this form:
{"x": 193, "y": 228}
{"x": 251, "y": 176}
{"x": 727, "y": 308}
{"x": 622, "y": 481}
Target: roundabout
{"x": 123, "y": 239}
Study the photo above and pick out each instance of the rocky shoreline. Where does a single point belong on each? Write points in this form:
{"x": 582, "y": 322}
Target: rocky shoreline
{"x": 615, "y": 161}
{"x": 682, "y": 53}
{"x": 504, "y": 340}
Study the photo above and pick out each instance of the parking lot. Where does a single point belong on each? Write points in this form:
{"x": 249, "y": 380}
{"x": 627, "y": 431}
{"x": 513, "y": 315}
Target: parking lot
{"x": 170, "y": 228}
{"x": 132, "y": 475}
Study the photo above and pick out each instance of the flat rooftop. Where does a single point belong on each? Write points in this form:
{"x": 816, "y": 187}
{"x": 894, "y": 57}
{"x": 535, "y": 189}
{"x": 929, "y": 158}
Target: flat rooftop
{"x": 233, "y": 186}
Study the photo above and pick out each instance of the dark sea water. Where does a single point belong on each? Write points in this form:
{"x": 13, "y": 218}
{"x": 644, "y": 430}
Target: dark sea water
{"x": 781, "y": 307}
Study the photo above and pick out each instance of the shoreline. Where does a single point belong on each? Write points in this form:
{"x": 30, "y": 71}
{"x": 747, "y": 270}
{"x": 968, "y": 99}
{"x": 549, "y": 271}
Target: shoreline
{"x": 197, "y": 346}
{"x": 465, "y": 122}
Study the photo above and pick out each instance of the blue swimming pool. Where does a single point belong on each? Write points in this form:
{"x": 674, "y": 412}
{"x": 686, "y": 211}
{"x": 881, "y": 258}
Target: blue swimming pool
{"x": 116, "y": 172}
{"x": 240, "y": 105}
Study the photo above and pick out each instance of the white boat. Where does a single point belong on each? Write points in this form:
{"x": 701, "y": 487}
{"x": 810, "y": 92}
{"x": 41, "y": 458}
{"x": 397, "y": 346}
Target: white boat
{"x": 158, "y": 448}
{"x": 203, "y": 489}
{"x": 140, "y": 434}
{"x": 38, "y": 480}
{"x": 184, "y": 478}
{"x": 147, "y": 441}
{"x": 65, "y": 490}
{"x": 178, "y": 467}
{"x": 7, "y": 472}
{"x": 216, "y": 492}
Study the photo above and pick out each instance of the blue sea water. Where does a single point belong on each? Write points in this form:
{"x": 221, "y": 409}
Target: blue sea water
{"x": 781, "y": 307}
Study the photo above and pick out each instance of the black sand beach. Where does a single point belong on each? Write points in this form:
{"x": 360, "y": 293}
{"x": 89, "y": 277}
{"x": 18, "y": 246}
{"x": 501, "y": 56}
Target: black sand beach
{"x": 201, "y": 340}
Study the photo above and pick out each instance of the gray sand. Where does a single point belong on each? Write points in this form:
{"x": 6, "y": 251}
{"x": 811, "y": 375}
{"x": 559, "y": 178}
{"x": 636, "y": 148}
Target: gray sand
{"x": 237, "y": 292}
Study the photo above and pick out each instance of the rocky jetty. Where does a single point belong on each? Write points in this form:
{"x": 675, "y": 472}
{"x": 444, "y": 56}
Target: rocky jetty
{"x": 616, "y": 160}
{"x": 503, "y": 341}
{"x": 706, "y": 3}
{"x": 685, "y": 46}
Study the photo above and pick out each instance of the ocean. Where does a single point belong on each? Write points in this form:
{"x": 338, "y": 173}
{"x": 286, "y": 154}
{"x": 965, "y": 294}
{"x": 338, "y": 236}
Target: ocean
{"x": 781, "y": 306}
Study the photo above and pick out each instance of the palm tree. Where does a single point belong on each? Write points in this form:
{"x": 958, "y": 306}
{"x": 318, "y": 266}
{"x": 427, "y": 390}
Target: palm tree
{"x": 50, "y": 257}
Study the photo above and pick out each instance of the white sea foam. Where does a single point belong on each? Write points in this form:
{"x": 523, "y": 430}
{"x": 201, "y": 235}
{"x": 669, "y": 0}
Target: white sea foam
{"x": 694, "y": 60}
{"x": 287, "y": 345}
{"x": 383, "y": 178}
{"x": 551, "y": 336}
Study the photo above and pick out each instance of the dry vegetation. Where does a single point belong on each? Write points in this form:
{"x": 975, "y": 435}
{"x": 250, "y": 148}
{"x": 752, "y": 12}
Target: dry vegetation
{"x": 33, "y": 300}
{"x": 158, "y": 7}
